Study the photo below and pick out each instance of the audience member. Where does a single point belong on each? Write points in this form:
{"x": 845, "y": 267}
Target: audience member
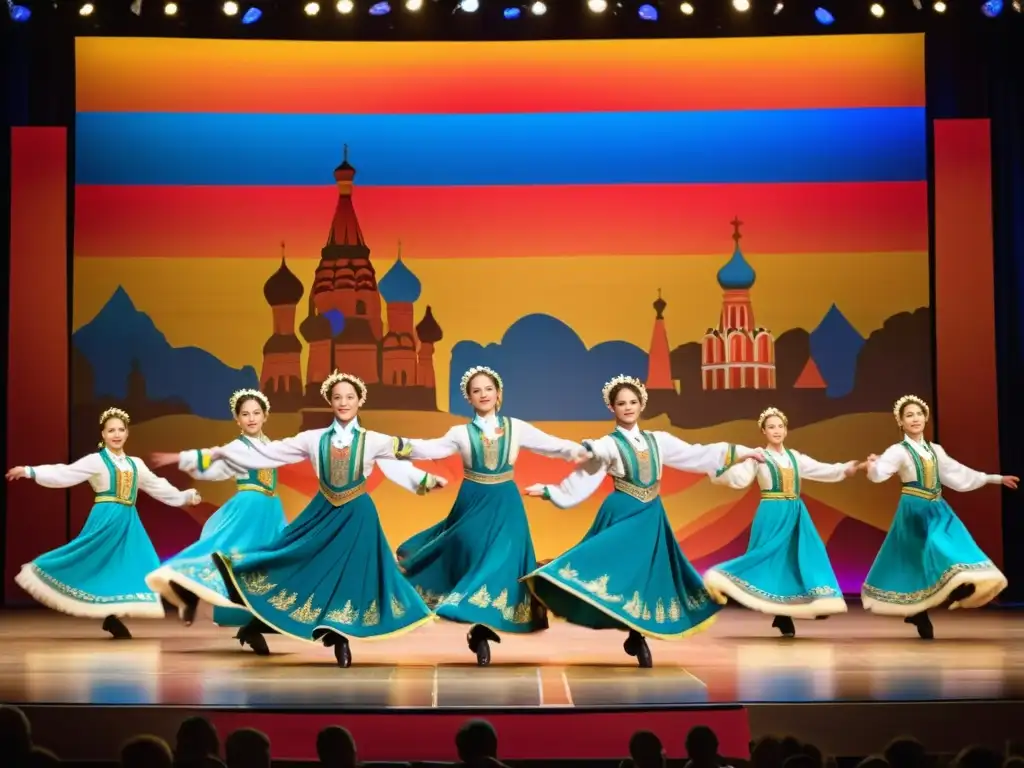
{"x": 799, "y": 761}
{"x": 977, "y": 757}
{"x": 789, "y": 746}
{"x": 905, "y": 752}
{"x": 336, "y": 748}
{"x": 477, "y": 743}
{"x": 15, "y": 734}
{"x": 646, "y": 751}
{"x": 197, "y": 739}
{"x": 766, "y": 752}
{"x": 702, "y": 748}
{"x": 247, "y": 748}
{"x": 41, "y": 758}
{"x": 146, "y": 752}
{"x": 814, "y": 753}
{"x": 873, "y": 761}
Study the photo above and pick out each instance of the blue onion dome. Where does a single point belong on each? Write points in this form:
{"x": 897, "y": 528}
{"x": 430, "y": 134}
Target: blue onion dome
{"x": 737, "y": 274}
{"x": 283, "y": 288}
{"x": 399, "y": 285}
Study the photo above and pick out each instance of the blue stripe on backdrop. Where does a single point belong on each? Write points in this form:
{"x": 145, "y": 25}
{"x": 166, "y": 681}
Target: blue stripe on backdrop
{"x": 513, "y": 149}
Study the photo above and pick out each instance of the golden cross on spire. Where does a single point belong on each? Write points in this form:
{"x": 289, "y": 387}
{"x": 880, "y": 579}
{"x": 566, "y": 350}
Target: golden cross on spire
{"x": 282, "y": 251}
{"x": 736, "y": 224}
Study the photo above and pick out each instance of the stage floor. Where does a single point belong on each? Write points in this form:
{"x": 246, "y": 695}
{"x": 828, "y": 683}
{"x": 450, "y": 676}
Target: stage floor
{"x": 47, "y": 658}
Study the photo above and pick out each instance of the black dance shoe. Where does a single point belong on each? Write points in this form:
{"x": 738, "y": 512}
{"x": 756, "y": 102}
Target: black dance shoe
{"x": 785, "y": 626}
{"x": 924, "y": 625}
{"x": 479, "y": 640}
{"x": 188, "y": 613}
{"x": 251, "y": 635}
{"x": 116, "y": 628}
{"x": 332, "y": 639}
{"x": 636, "y": 646}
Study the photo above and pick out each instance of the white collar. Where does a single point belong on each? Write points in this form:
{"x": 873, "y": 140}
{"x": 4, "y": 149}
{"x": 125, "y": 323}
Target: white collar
{"x": 345, "y": 429}
{"x": 633, "y": 432}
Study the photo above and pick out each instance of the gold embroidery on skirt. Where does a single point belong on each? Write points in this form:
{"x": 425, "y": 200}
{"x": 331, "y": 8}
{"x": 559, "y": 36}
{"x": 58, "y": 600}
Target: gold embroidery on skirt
{"x": 257, "y": 583}
{"x": 284, "y": 600}
{"x": 637, "y": 606}
{"x": 306, "y": 614}
{"x": 371, "y": 616}
{"x": 909, "y": 598}
{"x": 397, "y": 609}
{"x": 346, "y": 615}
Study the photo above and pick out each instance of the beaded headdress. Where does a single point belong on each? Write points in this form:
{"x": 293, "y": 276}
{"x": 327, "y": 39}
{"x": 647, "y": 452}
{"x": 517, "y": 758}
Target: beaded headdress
{"x": 910, "y": 399}
{"x": 477, "y": 369}
{"x": 606, "y": 390}
{"x": 114, "y": 413}
{"x": 338, "y": 377}
{"x": 769, "y": 412}
{"x": 254, "y": 393}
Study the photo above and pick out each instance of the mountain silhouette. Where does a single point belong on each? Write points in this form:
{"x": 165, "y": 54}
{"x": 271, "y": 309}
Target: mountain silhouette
{"x": 835, "y": 344}
{"x": 121, "y": 337}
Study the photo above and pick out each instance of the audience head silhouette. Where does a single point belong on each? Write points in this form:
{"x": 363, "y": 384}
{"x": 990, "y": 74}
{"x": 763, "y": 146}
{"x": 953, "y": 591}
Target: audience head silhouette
{"x": 905, "y": 752}
{"x": 146, "y": 752}
{"x": 41, "y": 758}
{"x": 476, "y": 741}
{"x": 702, "y": 746}
{"x": 15, "y": 733}
{"x": 978, "y": 757}
{"x": 873, "y": 761}
{"x": 336, "y": 748}
{"x": 766, "y": 752}
{"x": 646, "y": 750}
{"x": 247, "y": 748}
{"x": 197, "y": 739}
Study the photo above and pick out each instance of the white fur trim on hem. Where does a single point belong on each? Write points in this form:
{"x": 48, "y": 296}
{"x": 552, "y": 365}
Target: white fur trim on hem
{"x": 988, "y": 583}
{"x": 160, "y": 582}
{"x": 51, "y": 598}
{"x": 721, "y": 588}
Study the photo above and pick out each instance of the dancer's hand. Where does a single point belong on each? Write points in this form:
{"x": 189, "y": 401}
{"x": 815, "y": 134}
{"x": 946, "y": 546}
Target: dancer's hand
{"x": 537, "y": 490}
{"x": 17, "y": 473}
{"x": 853, "y": 468}
{"x": 583, "y": 456}
{"x": 196, "y": 498}
{"x": 438, "y": 482}
{"x": 757, "y": 456}
{"x": 871, "y": 459}
{"x": 163, "y": 459}
{"x": 1010, "y": 481}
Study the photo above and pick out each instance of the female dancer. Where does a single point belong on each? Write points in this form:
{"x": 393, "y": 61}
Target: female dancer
{"x": 785, "y": 571}
{"x": 102, "y": 572}
{"x": 331, "y": 572}
{"x": 249, "y": 521}
{"x": 468, "y": 566}
{"x": 928, "y": 557}
{"x": 629, "y": 572}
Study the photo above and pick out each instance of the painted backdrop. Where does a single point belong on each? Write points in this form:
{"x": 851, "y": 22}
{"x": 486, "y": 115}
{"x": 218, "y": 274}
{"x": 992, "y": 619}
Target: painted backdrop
{"x": 740, "y": 223}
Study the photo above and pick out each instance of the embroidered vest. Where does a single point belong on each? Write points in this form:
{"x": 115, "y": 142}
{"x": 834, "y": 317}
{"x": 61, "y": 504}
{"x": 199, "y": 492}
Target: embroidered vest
{"x": 642, "y": 467}
{"x": 488, "y": 457}
{"x": 785, "y": 480}
{"x": 124, "y": 484}
{"x": 926, "y": 484}
{"x": 341, "y": 469}
{"x": 260, "y": 480}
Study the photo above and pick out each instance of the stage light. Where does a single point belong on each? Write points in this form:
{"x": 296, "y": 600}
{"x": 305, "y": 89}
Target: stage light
{"x": 18, "y": 12}
{"x": 823, "y": 16}
{"x": 686, "y": 9}
{"x": 469, "y": 6}
{"x": 992, "y": 8}
{"x": 741, "y": 5}
{"x": 1016, "y": 5}
{"x": 345, "y": 6}
{"x": 939, "y": 6}
{"x": 877, "y": 10}
{"x": 511, "y": 13}
{"x": 312, "y": 9}
{"x": 413, "y": 5}
{"x": 647, "y": 12}
{"x": 170, "y": 9}
{"x": 538, "y": 8}
{"x": 86, "y": 9}
{"x": 380, "y": 9}
{"x": 251, "y": 16}
{"x": 230, "y": 9}
{"x": 597, "y": 6}
{"x": 778, "y": 9}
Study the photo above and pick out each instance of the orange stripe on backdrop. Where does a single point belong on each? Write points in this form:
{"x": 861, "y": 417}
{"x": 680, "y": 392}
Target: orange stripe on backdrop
{"x": 494, "y": 222}
{"x": 37, "y": 374}
{"x": 965, "y": 385}
{"x": 178, "y": 75}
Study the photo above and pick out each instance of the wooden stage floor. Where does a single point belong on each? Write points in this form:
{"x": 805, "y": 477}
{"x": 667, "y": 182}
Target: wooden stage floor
{"x": 856, "y": 658}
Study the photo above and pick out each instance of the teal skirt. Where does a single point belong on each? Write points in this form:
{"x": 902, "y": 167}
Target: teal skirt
{"x": 785, "y": 570}
{"x": 332, "y": 568}
{"x": 101, "y": 572}
{"x": 249, "y": 521}
{"x": 468, "y": 567}
{"x": 628, "y": 572}
{"x": 926, "y": 555}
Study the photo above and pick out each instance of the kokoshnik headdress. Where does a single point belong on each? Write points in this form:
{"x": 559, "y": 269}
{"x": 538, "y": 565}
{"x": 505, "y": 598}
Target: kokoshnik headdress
{"x": 336, "y": 378}
{"x": 767, "y": 413}
{"x": 606, "y": 390}
{"x": 254, "y": 393}
{"x": 898, "y": 407}
{"x": 478, "y": 369}
{"x": 114, "y": 413}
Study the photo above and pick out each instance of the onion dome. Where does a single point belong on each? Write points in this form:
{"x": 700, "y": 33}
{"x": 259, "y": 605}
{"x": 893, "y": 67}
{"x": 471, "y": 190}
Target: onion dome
{"x": 427, "y": 330}
{"x": 659, "y": 306}
{"x": 399, "y": 285}
{"x": 737, "y": 274}
{"x": 283, "y": 288}
{"x": 315, "y": 327}
{"x": 282, "y": 343}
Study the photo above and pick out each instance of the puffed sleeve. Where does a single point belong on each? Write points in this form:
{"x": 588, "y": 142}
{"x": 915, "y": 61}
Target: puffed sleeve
{"x": 955, "y": 475}
{"x": 575, "y": 489}
{"x": 199, "y": 466}
{"x": 811, "y": 469}
{"x": 161, "y": 490}
{"x": 436, "y": 448}
{"x": 543, "y": 444}
{"x": 691, "y": 457}
{"x": 888, "y": 464}
{"x": 276, "y": 453}
{"x": 406, "y": 475}
{"x": 66, "y": 475}
{"x": 737, "y": 476}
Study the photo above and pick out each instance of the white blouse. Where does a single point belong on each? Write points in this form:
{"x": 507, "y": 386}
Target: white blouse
{"x": 523, "y": 435}
{"x": 378, "y": 450}
{"x": 92, "y": 469}
{"x": 744, "y": 473}
{"x": 952, "y": 474}
{"x": 218, "y": 469}
{"x": 672, "y": 452}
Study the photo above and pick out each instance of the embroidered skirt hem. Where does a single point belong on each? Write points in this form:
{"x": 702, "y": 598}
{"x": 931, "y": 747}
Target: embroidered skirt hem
{"x": 988, "y": 583}
{"x": 161, "y": 579}
{"x": 52, "y": 597}
{"x": 722, "y": 588}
